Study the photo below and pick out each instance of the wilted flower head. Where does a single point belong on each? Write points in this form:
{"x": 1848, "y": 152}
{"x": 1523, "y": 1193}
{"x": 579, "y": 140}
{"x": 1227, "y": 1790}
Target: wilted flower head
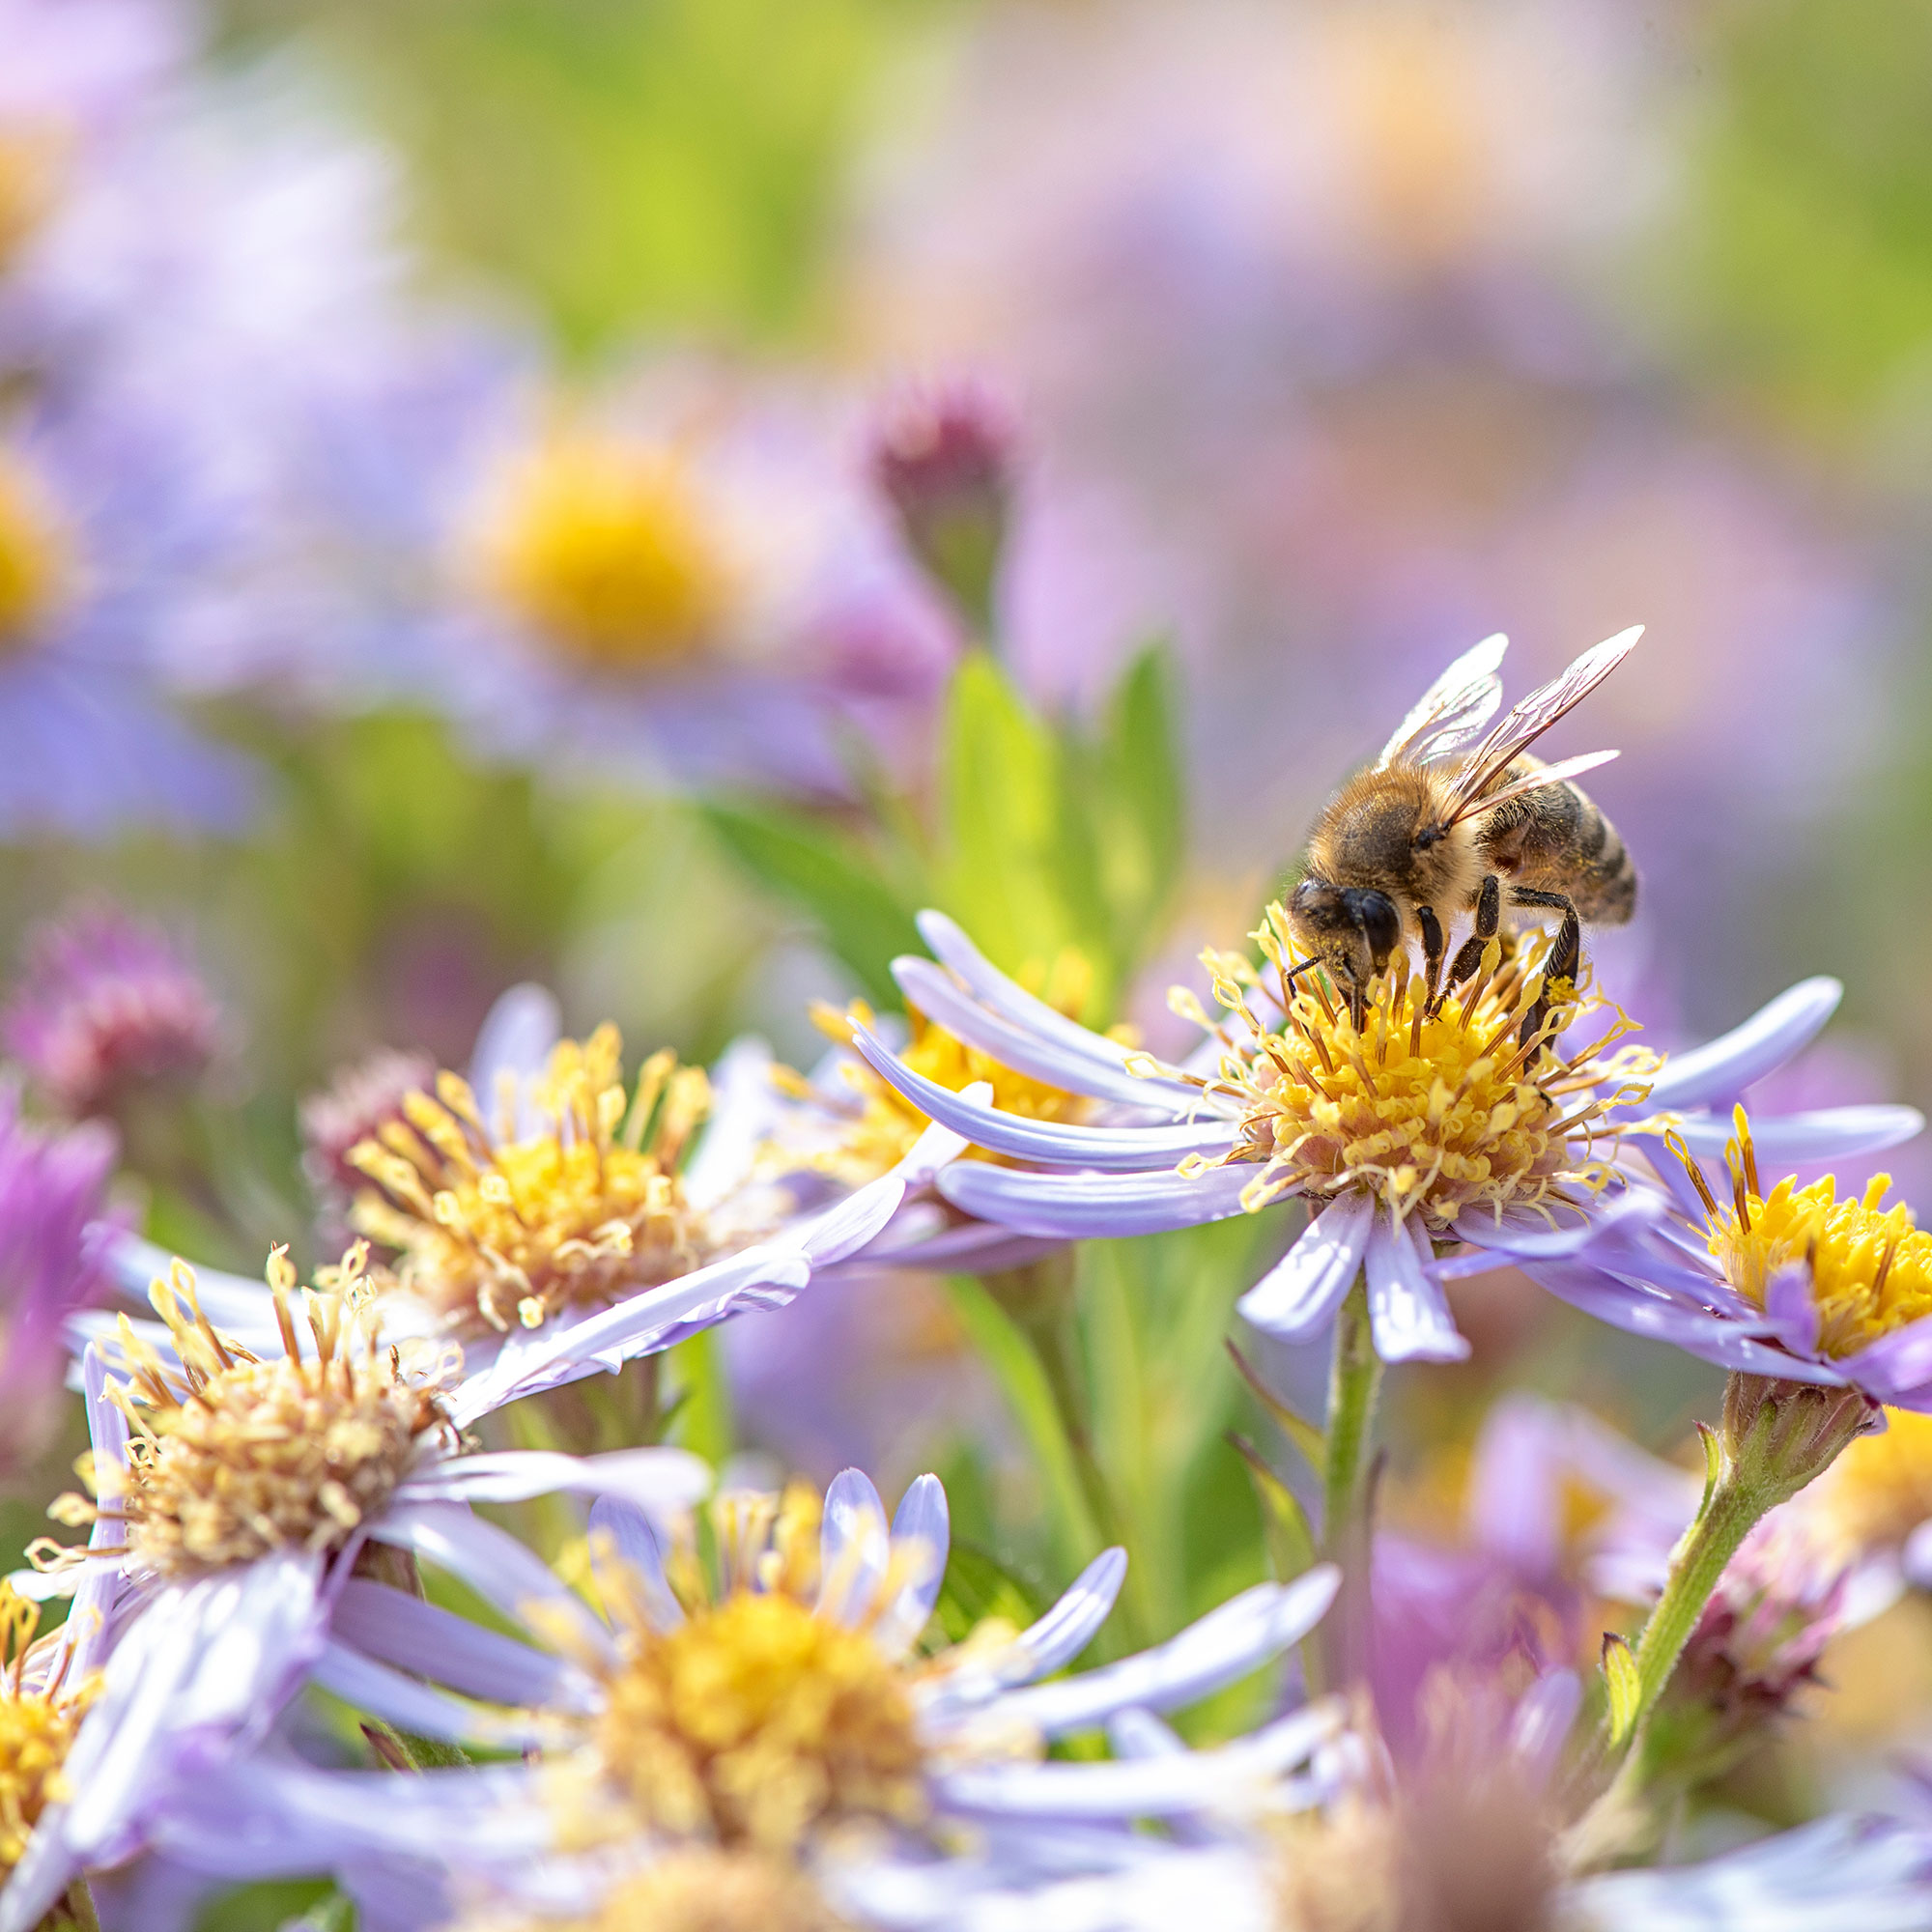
{"x": 52, "y": 1239}
{"x": 105, "y": 1004}
{"x": 357, "y": 1106}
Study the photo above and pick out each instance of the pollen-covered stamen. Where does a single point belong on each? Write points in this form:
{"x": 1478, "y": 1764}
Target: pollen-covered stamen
{"x": 39, "y": 1712}
{"x": 233, "y": 1457}
{"x": 1434, "y": 1107}
{"x": 753, "y": 1720}
{"x": 606, "y": 549}
{"x": 496, "y": 1230}
{"x": 1868, "y": 1267}
{"x": 879, "y": 1124}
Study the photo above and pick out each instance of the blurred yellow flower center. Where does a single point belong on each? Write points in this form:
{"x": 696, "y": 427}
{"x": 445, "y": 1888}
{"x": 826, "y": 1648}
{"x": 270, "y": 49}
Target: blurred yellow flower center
{"x": 1434, "y": 1110}
{"x": 232, "y": 1457}
{"x": 31, "y": 158}
{"x": 884, "y": 1124}
{"x": 701, "y": 1889}
{"x": 1869, "y": 1267}
{"x": 496, "y": 1230}
{"x": 1880, "y": 1489}
{"x": 755, "y": 1720}
{"x": 605, "y": 547}
{"x": 36, "y": 558}
{"x": 37, "y": 1724}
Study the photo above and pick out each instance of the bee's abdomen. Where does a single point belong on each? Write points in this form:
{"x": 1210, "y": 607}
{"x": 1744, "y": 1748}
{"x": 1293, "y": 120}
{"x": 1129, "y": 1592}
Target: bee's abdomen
{"x": 1555, "y": 839}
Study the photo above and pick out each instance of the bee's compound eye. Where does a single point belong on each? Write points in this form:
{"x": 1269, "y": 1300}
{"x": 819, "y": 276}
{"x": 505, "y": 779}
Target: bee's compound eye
{"x": 1375, "y": 918}
{"x": 1318, "y": 904}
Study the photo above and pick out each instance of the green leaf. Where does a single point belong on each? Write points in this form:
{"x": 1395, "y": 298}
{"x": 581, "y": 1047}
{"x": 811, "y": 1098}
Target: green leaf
{"x": 1624, "y": 1685}
{"x": 278, "y": 1903}
{"x": 1309, "y": 1441}
{"x": 703, "y": 1423}
{"x": 1143, "y": 842}
{"x": 977, "y": 1586}
{"x": 864, "y": 922}
{"x": 1001, "y": 800}
{"x": 1290, "y": 1542}
{"x": 1023, "y": 1382}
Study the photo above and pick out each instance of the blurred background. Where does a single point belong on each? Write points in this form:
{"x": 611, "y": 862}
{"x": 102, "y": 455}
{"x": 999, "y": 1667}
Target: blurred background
{"x": 496, "y": 490}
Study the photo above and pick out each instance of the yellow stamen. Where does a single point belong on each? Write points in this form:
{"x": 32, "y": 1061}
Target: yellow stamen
{"x": 36, "y": 555}
{"x": 605, "y": 548}
{"x": 232, "y": 1457}
{"x": 885, "y": 1125}
{"x": 39, "y": 1713}
{"x": 754, "y": 1720}
{"x": 493, "y": 1230}
{"x": 1433, "y": 1111}
{"x": 1869, "y": 1268}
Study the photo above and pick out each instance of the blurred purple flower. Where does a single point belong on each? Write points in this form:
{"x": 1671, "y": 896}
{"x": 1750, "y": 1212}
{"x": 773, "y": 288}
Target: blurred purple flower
{"x": 106, "y": 1003}
{"x": 52, "y": 1239}
{"x": 356, "y": 1106}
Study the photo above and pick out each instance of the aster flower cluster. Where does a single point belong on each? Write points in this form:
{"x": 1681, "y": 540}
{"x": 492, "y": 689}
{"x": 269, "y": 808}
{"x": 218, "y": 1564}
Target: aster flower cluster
{"x": 1423, "y": 1447}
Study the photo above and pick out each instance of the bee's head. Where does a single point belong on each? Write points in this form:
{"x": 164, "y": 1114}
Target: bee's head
{"x": 1351, "y": 929}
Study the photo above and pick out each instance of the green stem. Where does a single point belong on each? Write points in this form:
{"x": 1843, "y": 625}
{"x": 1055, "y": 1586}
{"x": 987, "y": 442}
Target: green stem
{"x": 1353, "y": 1382}
{"x": 1699, "y": 1561}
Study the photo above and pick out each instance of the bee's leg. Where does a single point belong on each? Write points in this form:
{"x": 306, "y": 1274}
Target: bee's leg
{"x": 1566, "y": 956}
{"x": 1488, "y": 917}
{"x": 1433, "y": 944}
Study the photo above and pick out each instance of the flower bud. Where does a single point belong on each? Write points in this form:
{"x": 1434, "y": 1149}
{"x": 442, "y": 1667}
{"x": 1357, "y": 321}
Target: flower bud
{"x": 943, "y": 457}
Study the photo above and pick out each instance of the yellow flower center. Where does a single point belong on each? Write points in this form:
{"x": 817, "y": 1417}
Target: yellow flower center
{"x": 1435, "y": 1108}
{"x": 606, "y": 548}
{"x": 491, "y": 1228}
{"x": 1869, "y": 1267}
{"x": 884, "y": 1124}
{"x": 233, "y": 1457}
{"x": 701, "y": 1889}
{"x": 755, "y": 1721}
{"x": 36, "y": 558}
{"x": 1880, "y": 1489}
{"x": 38, "y": 1722}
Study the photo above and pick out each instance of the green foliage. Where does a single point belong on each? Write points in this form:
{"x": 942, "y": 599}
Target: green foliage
{"x": 279, "y": 1905}
{"x": 629, "y": 164}
{"x": 1804, "y": 256}
{"x": 977, "y": 1586}
{"x": 1048, "y": 835}
{"x": 864, "y": 923}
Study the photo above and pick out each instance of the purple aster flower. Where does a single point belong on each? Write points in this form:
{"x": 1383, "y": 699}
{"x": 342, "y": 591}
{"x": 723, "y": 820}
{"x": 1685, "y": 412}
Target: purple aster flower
{"x": 1433, "y": 1124}
{"x": 1773, "y": 1280}
{"x": 682, "y": 578}
{"x": 914, "y": 1746}
{"x": 55, "y": 1235}
{"x": 104, "y": 1005}
{"x": 235, "y": 1491}
{"x": 557, "y": 1223}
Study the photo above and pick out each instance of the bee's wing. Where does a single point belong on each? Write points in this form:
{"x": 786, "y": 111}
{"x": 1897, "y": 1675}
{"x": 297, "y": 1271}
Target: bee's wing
{"x": 1547, "y": 775}
{"x": 1452, "y": 710}
{"x": 1533, "y": 716}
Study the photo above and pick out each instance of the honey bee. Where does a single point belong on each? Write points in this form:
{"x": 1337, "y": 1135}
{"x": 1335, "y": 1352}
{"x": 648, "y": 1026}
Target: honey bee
{"x": 1433, "y": 827}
